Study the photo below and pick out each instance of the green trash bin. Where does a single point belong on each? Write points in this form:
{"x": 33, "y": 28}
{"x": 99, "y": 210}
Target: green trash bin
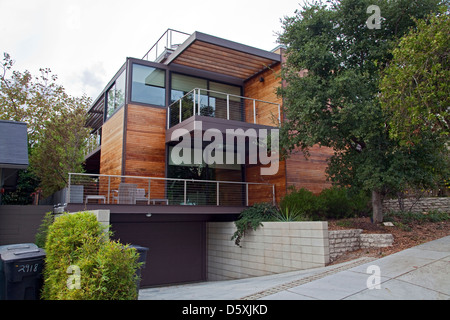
{"x": 23, "y": 273}
{"x": 10, "y": 248}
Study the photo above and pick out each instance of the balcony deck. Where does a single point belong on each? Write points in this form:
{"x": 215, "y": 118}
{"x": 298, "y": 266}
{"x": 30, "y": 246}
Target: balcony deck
{"x": 164, "y": 195}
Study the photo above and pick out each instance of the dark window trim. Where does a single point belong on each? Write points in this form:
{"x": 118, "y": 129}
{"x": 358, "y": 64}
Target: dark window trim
{"x": 112, "y": 84}
{"x": 131, "y": 62}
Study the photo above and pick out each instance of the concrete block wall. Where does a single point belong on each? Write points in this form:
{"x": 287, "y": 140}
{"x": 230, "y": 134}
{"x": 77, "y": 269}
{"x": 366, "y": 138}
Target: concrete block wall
{"x": 274, "y": 248}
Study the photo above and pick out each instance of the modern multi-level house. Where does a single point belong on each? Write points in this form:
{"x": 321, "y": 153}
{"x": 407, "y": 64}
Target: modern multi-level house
{"x": 189, "y": 84}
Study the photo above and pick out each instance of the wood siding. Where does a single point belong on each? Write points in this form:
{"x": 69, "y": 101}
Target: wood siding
{"x": 266, "y": 114}
{"x": 308, "y": 173}
{"x": 145, "y": 151}
{"x": 112, "y": 144}
{"x": 263, "y": 193}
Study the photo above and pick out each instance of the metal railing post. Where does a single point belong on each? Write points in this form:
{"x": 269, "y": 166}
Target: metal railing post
{"x": 218, "y": 197}
{"x": 273, "y": 195}
{"x": 228, "y": 107}
{"x": 198, "y": 102}
{"x": 185, "y": 194}
{"x": 68, "y": 189}
{"x": 279, "y": 115}
{"x": 246, "y": 194}
{"x": 109, "y": 187}
{"x": 149, "y": 180}
{"x": 193, "y": 100}
{"x": 180, "y": 112}
{"x": 254, "y": 111}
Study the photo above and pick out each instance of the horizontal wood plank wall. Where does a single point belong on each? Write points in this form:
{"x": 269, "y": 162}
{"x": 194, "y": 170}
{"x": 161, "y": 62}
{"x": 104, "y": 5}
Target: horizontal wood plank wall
{"x": 266, "y": 114}
{"x": 111, "y": 154}
{"x": 308, "y": 173}
{"x": 145, "y": 153}
{"x": 112, "y": 144}
{"x": 263, "y": 193}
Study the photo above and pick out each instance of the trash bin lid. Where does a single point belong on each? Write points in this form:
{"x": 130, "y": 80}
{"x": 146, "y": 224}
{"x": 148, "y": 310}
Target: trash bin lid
{"x": 17, "y": 255}
{"x": 18, "y": 246}
{"x": 138, "y": 247}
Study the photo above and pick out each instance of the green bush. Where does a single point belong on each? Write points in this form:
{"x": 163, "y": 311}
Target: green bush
{"x": 107, "y": 268}
{"x": 252, "y": 218}
{"x": 301, "y": 204}
{"x": 331, "y": 203}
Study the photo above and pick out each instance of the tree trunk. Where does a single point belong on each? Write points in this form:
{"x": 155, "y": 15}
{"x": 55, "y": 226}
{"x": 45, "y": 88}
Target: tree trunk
{"x": 377, "y": 206}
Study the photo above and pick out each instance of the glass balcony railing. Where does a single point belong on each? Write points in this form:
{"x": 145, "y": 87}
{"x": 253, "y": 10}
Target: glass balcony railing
{"x": 222, "y": 105}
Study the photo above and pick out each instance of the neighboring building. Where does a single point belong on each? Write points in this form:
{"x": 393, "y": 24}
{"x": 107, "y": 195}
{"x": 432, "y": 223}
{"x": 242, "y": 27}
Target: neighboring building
{"x": 13, "y": 153}
{"x": 182, "y": 80}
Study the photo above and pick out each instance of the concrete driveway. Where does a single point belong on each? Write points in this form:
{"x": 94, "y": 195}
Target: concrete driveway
{"x": 421, "y": 272}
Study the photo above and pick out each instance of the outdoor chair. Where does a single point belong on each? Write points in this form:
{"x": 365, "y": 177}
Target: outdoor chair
{"x": 126, "y": 194}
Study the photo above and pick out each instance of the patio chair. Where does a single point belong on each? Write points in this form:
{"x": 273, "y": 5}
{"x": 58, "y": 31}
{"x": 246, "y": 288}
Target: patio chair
{"x": 140, "y": 195}
{"x": 126, "y": 193}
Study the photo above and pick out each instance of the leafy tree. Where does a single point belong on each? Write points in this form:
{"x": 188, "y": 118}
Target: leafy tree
{"x": 55, "y": 122}
{"x": 331, "y": 96}
{"x": 62, "y": 144}
{"x": 415, "y": 88}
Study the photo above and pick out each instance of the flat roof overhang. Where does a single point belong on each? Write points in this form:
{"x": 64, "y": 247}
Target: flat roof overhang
{"x": 206, "y": 52}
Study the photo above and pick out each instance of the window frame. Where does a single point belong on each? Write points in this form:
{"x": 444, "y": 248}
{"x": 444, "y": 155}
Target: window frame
{"x": 130, "y": 84}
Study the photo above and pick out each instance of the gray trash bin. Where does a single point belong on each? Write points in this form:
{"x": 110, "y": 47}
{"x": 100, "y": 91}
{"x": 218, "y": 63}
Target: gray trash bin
{"x": 23, "y": 273}
{"x": 6, "y": 249}
{"x": 142, "y": 258}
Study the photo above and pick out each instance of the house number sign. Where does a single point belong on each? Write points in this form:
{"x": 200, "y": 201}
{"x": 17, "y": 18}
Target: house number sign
{"x": 26, "y": 268}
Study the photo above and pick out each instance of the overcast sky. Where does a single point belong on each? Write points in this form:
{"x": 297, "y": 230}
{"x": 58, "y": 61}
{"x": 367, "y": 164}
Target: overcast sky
{"x": 85, "y": 42}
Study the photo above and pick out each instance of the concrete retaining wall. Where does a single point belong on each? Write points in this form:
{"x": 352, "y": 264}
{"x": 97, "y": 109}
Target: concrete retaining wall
{"x": 274, "y": 248}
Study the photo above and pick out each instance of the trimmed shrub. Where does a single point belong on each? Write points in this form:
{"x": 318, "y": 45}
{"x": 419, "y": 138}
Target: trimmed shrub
{"x": 107, "y": 269}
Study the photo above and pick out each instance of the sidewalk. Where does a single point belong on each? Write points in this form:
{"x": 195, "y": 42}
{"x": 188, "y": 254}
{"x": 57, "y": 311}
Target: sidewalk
{"x": 421, "y": 272}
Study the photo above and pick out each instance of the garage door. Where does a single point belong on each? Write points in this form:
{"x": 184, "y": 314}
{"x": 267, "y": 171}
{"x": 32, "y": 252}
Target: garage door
{"x": 177, "y": 250}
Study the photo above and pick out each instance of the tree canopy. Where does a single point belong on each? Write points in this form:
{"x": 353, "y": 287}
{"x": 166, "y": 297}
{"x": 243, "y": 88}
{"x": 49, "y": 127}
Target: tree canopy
{"x": 331, "y": 97}
{"x": 55, "y": 120}
{"x": 415, "y": 88}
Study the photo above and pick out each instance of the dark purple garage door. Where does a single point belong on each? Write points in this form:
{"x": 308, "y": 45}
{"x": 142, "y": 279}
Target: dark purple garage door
{"x": 177, "y": 249}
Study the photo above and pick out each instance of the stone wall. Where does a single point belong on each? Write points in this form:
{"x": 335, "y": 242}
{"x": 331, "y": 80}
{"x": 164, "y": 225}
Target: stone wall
{"x": 274, "y": 248}
{"x": 419, "y": 205}
{"x": 342, "y": 241}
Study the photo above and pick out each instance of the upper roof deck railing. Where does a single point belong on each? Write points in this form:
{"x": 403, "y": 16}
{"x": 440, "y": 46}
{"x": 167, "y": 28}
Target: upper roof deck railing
{"x": 165, "y": 45}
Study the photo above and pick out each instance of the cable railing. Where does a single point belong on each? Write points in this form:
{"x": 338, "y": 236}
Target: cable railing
{"x": 135, "y": 190}
{"x": 165, "y": 45}
{"x": 222, "y": 105}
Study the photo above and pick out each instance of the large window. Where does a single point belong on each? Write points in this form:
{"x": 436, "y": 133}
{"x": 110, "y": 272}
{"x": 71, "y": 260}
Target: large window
{"x": 116, "y": 95}
{"x": 213, "y": 102}
{"x": 148, "y": 85}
